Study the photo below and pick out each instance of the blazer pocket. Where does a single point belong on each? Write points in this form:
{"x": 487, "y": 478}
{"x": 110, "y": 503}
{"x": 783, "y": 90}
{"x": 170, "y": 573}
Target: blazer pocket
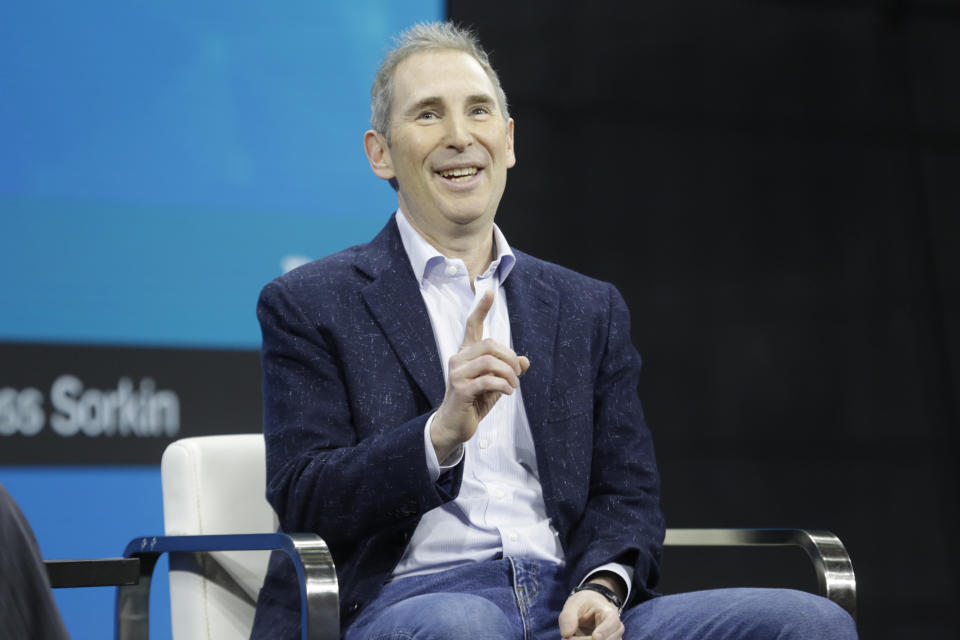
{"x": 573, "y": 401}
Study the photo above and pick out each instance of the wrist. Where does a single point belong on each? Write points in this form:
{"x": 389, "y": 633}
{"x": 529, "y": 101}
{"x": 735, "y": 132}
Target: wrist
{"x": 443, "y": 443}
{"x": 604, "y": 591}
{"x": 611, "y": 580}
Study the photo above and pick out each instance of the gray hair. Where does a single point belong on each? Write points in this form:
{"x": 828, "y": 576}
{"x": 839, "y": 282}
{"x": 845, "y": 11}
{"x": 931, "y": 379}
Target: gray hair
{"x": 425, "y": 36}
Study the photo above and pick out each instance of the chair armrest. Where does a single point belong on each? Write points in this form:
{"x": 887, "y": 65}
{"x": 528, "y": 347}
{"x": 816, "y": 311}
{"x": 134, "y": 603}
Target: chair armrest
{"x": 319, "y": 595}
{"x": 97, "y": 572}
{"x": 831, "y": 561}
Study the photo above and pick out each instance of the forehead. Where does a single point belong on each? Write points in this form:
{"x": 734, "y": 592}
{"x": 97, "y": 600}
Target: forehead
{"x": 444, "y": 73}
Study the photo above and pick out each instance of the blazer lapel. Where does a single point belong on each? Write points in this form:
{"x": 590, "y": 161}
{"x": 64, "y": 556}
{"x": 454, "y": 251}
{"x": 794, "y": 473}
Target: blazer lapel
{"x": 393, "y": 298}
{"x": 534, "y": 315}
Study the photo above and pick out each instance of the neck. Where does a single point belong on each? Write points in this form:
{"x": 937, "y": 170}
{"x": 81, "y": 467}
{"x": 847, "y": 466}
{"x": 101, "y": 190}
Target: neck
{"x": 475, "y": 246}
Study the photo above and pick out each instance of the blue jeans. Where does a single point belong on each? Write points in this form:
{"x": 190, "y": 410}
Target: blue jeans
{"x": 518, "y": 599}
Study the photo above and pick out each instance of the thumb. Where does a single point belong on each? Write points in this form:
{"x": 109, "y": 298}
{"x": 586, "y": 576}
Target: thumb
{"x": 568, "y": 622}
{"x": 474, "y": 329}
{"x": 524, "y": 364}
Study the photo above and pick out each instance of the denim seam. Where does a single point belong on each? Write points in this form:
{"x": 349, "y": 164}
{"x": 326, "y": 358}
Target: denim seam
{"x": 523, "y": 598}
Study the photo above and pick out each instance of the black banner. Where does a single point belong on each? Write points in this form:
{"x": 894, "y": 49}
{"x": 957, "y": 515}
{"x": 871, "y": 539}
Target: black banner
{"x": 67, "y": 404}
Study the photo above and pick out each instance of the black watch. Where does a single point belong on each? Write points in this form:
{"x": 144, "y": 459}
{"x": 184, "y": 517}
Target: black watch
{"x": 606, "y": 592}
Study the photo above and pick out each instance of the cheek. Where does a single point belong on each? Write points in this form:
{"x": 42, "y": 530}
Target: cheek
{"x": 412, "y": 164}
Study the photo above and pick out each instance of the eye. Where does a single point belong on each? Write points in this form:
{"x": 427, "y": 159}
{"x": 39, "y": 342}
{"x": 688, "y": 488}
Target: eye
{"x": 427, "y": 115}
{"x": 481, "y": 110}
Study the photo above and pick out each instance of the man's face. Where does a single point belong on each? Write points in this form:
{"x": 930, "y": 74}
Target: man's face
{"x": 450, "y": 147}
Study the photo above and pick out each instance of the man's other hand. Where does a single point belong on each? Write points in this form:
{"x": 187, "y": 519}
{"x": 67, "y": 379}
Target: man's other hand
{"x": 587, "y": 615}
{"x": 480, "y": 372}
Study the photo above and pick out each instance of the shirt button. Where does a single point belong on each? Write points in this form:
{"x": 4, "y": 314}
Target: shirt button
{"x": 513, "y": 536}
{"x": 451, "y": 270}
{"x": 484, "y": 443}
{"x": 498, "y": 494}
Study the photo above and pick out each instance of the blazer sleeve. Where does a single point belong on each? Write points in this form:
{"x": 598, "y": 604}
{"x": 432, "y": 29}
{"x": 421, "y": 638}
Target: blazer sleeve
{"x": 622, "y": 521}
{"x": 322, "y": 475}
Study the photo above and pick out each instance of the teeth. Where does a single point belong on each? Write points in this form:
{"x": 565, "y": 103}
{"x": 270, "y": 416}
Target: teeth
{"x": 460, "y": 174}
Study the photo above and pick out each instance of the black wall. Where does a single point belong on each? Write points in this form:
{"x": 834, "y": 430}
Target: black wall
{"x": 775, "y": 188}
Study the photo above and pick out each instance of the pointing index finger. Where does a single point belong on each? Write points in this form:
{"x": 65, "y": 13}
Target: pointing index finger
{"x": 474, "y": 330}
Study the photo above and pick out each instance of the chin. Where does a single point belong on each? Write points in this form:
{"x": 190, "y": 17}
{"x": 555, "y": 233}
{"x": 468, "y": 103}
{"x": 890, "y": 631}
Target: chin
{"x": 464, "y": 213}
{"x": 465, "y": 218}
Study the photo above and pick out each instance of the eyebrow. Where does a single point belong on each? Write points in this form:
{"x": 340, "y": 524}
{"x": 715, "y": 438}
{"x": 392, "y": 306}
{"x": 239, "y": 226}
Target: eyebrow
{"x": 433, "y": 101}
{"x": 423, "y": 103}
{"x": 480, "y": 98}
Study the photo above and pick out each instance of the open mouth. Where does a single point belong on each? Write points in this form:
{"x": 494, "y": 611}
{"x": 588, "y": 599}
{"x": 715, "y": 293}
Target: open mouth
{"x": 459, "y": 174}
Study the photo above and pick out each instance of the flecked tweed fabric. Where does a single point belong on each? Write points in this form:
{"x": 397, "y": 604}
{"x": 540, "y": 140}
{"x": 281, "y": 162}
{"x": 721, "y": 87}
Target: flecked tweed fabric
{"x": 351, "y": 374}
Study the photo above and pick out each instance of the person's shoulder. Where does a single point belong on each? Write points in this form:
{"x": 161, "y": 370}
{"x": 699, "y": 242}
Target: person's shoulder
{"x": 340, "y": 271}
{"x": 334, "y": 271}
{"x": 566, "y": 281}
{"x": 584, "y": 301}
{"x": 321, "y": 290}
{"x": 328, "y": 269}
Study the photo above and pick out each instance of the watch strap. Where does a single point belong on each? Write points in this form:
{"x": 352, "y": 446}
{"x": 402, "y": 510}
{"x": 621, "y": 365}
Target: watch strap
{"x": 606, "y": 592}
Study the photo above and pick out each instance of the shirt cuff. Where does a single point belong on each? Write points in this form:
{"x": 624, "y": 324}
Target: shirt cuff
{"x": 621, "y": 570}
{"x": 434, "y": 467}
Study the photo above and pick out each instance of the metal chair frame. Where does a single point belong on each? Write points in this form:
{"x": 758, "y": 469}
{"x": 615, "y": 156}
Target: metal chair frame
{"x": 319, "y": 599}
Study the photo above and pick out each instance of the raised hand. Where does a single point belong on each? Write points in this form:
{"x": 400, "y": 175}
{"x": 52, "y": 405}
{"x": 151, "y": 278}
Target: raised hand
{"x": 480, "y": 372}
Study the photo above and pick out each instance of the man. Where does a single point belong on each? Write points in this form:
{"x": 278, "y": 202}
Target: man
{"x": 458, "y": 420}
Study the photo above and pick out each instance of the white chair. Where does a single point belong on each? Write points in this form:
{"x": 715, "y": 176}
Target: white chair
{"x": 214, "y": 595}
{"x": 219, "y": 533}
{"x": 214, "y": 506}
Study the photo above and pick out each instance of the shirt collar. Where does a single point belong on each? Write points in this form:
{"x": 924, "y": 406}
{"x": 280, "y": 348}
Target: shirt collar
{"x": 423, "y": 255}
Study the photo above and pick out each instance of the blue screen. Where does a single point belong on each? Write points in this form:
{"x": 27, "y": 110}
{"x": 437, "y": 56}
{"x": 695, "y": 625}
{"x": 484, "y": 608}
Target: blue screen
{"x": 159, "y": 163}
{"x": 163, "y": 161}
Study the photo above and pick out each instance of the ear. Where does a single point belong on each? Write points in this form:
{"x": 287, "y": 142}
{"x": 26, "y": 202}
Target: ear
{"x": 378, "y": 154}
{"x": 511, "y": 154}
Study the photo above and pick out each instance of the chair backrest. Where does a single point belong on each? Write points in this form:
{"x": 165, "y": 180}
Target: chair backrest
{"x": 215, "y": 485}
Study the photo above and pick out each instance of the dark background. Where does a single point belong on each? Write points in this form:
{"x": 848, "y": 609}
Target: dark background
{"x": 774, "y": 187}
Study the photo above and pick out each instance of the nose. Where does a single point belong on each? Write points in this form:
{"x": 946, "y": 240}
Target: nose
{"x": 458, "y": 132}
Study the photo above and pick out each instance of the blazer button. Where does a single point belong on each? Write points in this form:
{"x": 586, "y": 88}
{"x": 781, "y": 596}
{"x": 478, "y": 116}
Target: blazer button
{"x": 353, "y": 607}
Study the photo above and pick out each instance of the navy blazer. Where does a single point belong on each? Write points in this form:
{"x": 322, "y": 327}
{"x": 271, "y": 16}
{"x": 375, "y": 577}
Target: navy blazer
{"x": 351, "y": 373}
